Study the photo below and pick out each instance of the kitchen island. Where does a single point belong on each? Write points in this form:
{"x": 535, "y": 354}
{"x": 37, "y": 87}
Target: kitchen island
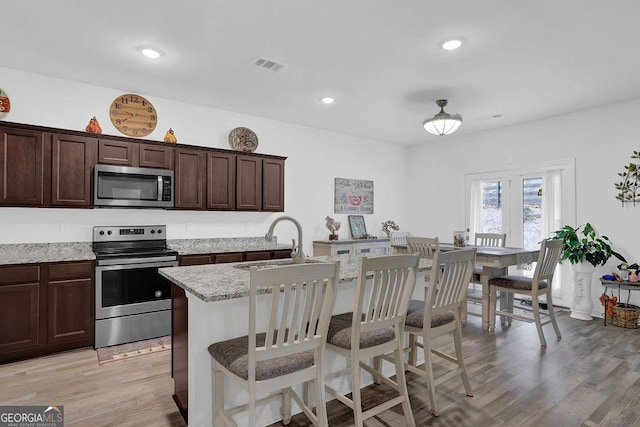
{"x": 217, "y": 309}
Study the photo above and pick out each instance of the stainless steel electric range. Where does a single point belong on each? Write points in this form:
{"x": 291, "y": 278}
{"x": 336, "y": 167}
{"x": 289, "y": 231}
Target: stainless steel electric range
{"x": 133, "y": 301}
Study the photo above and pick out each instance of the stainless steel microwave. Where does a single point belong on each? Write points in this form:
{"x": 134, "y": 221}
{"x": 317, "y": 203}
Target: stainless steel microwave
{"x": 124, "y": 186}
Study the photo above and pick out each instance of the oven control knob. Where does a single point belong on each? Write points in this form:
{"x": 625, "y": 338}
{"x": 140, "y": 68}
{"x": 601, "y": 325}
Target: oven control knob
{"x": 153, "y": 231}
{"x": 109, "y": 232}
{"x": 159, "y": 231}
{"x": 102, "y": 232}
{"x": 158, "y": 294}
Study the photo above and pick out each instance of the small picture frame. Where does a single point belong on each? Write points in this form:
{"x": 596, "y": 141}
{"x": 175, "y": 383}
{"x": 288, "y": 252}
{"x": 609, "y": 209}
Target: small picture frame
{"x": 357, "y": 227}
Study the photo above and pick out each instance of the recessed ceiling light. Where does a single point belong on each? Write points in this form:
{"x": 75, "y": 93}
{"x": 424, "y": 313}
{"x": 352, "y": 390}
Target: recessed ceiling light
{"x": 150, "y": 52}
{"x": 328, "y": 100}
{"x": 451, "y": 44}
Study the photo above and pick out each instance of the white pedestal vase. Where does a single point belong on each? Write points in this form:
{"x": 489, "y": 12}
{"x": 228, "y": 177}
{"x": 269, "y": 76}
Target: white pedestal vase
{"x": 581, "y": 302}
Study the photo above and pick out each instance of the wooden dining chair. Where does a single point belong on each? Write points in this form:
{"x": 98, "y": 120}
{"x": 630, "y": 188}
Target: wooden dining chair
{"x": 374, "y": 328}
{"x": 535, "y": 287}
{"x": 284, "y": 346}
{"x": 424, "y": 247}
{"x": 495, "y": 240}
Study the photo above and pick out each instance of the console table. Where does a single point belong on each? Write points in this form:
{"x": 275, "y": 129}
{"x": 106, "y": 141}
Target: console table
{"x": 351, "y": 247}
{"x": 624, "y": 285}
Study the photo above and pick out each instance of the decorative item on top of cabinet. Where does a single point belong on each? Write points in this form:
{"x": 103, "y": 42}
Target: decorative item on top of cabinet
{"x": 243, "y": 139}
{"x": 133, "y": 115}
{"x": 5, "y": 104}
{"x": 333, "y": 226}
{"x": 389, "y": 225}
{"x": 170, "y": 137}
{"x": 93, "y": 126}
{"x": 358, "y": 227}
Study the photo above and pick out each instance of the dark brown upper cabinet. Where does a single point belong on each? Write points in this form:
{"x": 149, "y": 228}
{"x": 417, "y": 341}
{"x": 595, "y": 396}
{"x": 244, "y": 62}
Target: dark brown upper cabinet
{"x": 72, "y": 162}
{"x": 249, "y": 183}
{"x": 22, "y": 167}
{"x": 190, "y": 176}
{"x": 135, "y": 154}
{"x": 221, "y": 181}
{"x": 273, "y": 185}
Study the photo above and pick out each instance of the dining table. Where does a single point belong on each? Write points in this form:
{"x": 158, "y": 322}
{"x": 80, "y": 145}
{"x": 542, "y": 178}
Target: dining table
{"x": 495, "y": 261}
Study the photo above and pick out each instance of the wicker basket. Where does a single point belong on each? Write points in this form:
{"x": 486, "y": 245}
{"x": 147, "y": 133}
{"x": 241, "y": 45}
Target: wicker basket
{"x": 625, "y": 315}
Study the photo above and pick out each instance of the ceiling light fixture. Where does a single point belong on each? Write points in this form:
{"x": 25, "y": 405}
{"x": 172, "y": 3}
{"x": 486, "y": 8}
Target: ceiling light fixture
{"x": 327, "y": 100}
{"x": 451, "y": 44}
{"x": 442, "y": 123}
{"x": 150, "y": 52}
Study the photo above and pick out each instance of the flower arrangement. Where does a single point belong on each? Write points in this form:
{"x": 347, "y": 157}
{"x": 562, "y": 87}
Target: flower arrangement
{"x": 332, "y": 225}
{"x": 389, "y": 225}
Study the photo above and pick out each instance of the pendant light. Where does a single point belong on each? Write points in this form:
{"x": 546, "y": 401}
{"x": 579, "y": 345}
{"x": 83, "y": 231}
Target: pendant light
{"x": 442, "y": 123}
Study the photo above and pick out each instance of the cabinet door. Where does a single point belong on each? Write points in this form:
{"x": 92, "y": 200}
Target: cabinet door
{"x": 184, "y": 260}
{"x": 190, "y": 177}
{"x": 257, "y": 256}
{"x": 22, "y": 160}
{"x": 156, "y": 156}
{"x": 119, "y": 153}
{"x": 231, "y": 257}
{"x": 273, "y": 185}
{"x": 248, "y": 183}
{"x": 72, "y": 161}
{"x": 221, "y": 181}
{"x": 70, "y": 303}
{"x": 19, "y": 309}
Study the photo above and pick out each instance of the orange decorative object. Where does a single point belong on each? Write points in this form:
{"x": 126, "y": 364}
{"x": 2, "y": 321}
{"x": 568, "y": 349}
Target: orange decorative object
{"x": 94, "y": 126}
{"x": 170, "y": 137}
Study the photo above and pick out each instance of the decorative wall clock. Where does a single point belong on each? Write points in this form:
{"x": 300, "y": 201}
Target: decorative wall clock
{"x": 133, "y": 115}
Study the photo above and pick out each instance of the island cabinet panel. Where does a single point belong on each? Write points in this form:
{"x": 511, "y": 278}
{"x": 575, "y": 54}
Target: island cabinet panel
{"x": 249, "y": 183}
{"x": 22, "y": 167}
{"x": 273, "y": 185}
{"x": 123, "y": 153}
{"x": 221, "y": 181}
{"x": 180, "y": 348}
{"x": 190, "y": 177}
{"x": 71, "y": 305}
{"x": 19, "y": 310}
{"x": 72, "y": 162}
{"x": 50, "y": 308}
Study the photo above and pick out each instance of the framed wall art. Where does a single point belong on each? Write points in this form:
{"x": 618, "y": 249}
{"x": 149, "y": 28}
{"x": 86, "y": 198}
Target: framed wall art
{"x": 353, "y": 196}
{"x": 357, "y": 227}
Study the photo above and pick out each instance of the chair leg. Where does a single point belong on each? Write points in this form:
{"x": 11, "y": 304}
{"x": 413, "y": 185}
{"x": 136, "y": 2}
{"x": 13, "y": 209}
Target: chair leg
{"x": 377, "y": 366}
{"x": 552, "y": 314}
{"x": 413, "y": 350}
{"x": 492, "y": 308}
{"x": 217, "y": 379}
{"x": 463, "y": 317}
{"x": 402, "y": 385}
{"x": 286, "y": 406}
{"x": 536, "y": 315}
{"x": 457, "y": 339}
{"x": 319, "y": 399}
{"x": 355, "y": 392}
{"x": 428, "y": 367}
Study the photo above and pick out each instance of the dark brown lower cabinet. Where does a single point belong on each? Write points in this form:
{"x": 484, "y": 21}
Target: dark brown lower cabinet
{"x": 180, "y": 318}
{"x": 45, "y": 308}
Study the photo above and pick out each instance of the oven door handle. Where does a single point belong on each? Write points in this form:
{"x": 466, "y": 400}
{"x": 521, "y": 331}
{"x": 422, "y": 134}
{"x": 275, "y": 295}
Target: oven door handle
{"x": 148, "y": 262}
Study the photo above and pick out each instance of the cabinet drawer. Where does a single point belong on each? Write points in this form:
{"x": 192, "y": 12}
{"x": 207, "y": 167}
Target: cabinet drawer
{"x": 234, "y": 257}
{"x": 20, "y": 274}
{"x": 70, "y": 270}
{"x": 257, "y": 256}
{"x": 195, "y": 260}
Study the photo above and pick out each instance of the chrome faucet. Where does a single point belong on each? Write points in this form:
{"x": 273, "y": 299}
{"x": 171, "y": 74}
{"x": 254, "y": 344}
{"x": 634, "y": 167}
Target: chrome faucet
{"x": 296, "y": 251}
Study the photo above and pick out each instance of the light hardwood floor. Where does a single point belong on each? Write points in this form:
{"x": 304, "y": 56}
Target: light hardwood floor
{"x": 589, "y": 378}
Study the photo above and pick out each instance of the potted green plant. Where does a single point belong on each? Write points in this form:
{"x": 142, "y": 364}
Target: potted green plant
{"x": 585, "y": 250}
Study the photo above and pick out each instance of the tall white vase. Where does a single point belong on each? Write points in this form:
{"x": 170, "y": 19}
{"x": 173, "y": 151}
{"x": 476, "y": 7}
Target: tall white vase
{"x": 581, "y": 302}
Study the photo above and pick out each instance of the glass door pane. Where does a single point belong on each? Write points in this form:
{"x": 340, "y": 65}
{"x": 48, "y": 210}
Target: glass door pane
{"x": 492, "y": 203}
{"x": 531, "y": 212}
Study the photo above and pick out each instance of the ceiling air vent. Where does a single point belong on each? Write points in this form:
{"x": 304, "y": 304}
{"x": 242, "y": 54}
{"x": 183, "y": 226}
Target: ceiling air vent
{"x": 267, "y": 63}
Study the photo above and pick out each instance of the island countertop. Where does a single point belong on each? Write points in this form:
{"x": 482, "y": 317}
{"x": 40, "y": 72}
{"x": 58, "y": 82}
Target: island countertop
{"x": 216, "y": 282}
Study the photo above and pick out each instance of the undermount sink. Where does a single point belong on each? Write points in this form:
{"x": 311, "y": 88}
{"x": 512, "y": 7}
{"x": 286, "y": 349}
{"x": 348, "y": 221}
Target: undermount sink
{"x": 270, "y": 263}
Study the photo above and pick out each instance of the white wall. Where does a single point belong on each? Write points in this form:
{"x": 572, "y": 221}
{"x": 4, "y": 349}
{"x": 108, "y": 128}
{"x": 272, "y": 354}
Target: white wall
{"x": 315, "y": 158}
{"x": 600, "y": 140}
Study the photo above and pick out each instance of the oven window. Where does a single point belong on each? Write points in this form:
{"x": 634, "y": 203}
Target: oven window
{"x": 127, "y": 186}
{"x": 132, "y": 286}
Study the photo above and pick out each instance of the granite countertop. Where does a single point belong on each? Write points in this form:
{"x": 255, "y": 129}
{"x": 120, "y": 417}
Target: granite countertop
{"x": 217, "y": 282}
{"x": 31, "y": 253}
{"x": 222, "y": 245}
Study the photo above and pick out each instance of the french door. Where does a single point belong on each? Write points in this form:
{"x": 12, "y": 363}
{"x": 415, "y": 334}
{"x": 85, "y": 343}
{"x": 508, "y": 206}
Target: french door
{"x": 528, "y": 205}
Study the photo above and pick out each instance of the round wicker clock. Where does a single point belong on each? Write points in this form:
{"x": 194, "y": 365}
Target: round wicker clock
{"x": 133, "y": 115}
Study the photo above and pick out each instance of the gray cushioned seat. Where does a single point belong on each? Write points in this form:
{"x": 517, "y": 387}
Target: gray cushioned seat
{"x": 232, "y": 354}
{"x": 339, "y": 333}
{"x": 516, "y": 282}
{"x": 415, "y": 316}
